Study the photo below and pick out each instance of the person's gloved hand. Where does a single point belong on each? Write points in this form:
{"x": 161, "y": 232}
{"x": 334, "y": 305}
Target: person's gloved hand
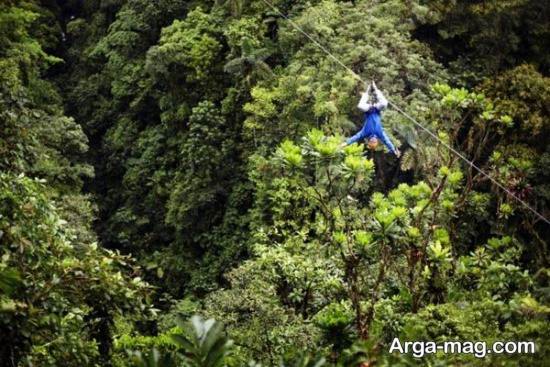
{"x": 397, "y": 152}
{"x": 368, "y": 88}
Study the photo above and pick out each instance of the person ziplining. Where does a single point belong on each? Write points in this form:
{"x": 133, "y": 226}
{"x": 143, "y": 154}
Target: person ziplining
{"x": 372, "y": 129}
{"x": 382, "y": 134}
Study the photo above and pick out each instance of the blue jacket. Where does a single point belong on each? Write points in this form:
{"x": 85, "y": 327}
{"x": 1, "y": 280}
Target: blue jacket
{"x": 372, "y": 125}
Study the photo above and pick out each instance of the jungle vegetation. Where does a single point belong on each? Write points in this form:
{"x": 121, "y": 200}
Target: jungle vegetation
{"x": 173, "y": 191}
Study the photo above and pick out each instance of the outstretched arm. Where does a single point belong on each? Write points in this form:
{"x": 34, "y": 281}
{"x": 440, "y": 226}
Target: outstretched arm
{"x": 355, "y": 138}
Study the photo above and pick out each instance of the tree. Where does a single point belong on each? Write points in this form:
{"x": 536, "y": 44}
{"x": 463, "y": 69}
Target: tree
{"x": 251, "y": 64}
{"x": 59, "y": 291}
{"x": 61, "y": 295}
{"x": 198, "y": 342}
{"x": 481, "y": 39}
{"x": 214, "y": 131}
{"x": 309, "y": 202}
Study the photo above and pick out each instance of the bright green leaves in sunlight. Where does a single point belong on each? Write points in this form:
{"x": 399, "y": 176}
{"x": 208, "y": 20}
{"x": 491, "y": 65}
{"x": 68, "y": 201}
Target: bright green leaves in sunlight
{"x": 290, "y": 154}
{"x": 203, "y": 341}
{"x": 21, "y": 56}
{"x": 364, "y": 238}
{"x": 323, "y": 244}
{"x": 191, "y": 44}
{"x": 439, "y": 253}
{"x": 348, "y": 161}
{"x": 322, "y": 146}
{"x": 197, "y": 343}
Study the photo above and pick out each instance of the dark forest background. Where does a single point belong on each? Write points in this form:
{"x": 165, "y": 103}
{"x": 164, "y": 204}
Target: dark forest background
{"x": 161, "y": 159}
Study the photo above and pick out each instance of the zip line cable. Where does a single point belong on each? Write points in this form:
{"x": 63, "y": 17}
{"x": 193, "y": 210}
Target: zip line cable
{"x": 398, "y": 109}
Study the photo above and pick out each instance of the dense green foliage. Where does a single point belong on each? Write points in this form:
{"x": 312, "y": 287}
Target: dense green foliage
{"x": 185, "y": 157}
{"x": 60, "y": 291}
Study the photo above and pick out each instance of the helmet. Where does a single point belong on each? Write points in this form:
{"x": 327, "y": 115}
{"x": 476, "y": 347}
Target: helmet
{"x": 372, "y": 143}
